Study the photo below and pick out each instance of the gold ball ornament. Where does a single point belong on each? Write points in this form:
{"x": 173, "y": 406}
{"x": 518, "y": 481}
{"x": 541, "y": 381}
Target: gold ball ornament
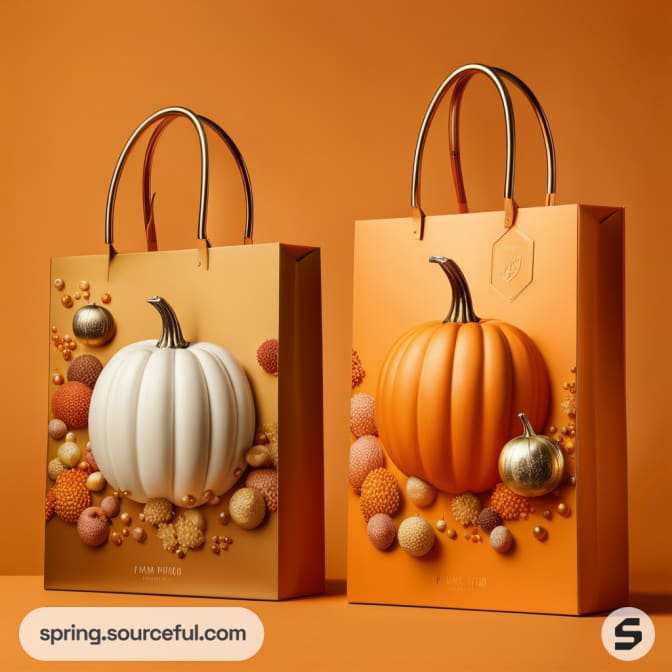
{"x": 94, "y": 325}
{"x": 96, "y": 482}
{"x": 69, "y": 453}
{"x": 247, "y": 508}
{"x": 416, "y": 536}
{"x": 422, "y": 494}
{"x": 531, "y": 464}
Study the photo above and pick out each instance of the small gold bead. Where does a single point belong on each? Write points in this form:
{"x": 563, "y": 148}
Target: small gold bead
{"x": 59, "y": 283}
{"x": 83, "y": 285}
{"x": 138, "y": 533}
{"x": 224, "y": 517}
{"x": 125, "y": 532}
{"x": 188, "y": 500}
{"x": 215, "y": 549}
{"x": 564, "y": 510}
{"x": 106, "y": 298}
{"x": 540, "y": 532}
{"x": 67, "y": 301}
{"x": 441, "y": 525}
{"x": 125, "y": 518}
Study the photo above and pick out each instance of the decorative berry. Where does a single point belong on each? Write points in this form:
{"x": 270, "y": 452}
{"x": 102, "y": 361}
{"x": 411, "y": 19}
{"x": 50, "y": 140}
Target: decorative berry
{"x": 465, "y": 508}
{"x": 70, "y": 404}
{"x": 158, "y": 510}
{"x": 93, "y": 526}
{"x": 501, "y": 539}
{"x": 489, "y": 519}
{"x": 266, "y": 481}
{"x": 508, "y": 504}
{"x": 71, "y": 496}
{"x": 267, "y": 356}
{"x": 422, "y": 494}
{"x": 363, "y": 415}
{"x": 85, "y": 369}
{"x": 379, "y": 494}
{"x": 381, "y": 531}
{"x": 358, "y": 372}
{"x": 247, "y": 508}
{"x": 416, "y": 536}
{"x": 366, "y": 454}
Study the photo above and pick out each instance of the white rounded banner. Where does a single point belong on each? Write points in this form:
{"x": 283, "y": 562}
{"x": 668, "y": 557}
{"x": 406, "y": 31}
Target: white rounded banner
{"x": 141, "y": 633}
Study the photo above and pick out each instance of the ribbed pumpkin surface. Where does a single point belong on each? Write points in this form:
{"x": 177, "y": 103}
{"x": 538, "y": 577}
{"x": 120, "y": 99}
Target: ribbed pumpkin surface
{"x": 448, "y": 400}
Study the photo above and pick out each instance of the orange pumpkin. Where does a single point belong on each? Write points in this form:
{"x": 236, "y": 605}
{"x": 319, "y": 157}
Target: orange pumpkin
{"x": 449, "y": 394}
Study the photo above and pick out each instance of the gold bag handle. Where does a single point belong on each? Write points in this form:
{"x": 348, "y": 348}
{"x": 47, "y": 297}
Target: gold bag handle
{"x": 166, "y": 115}
{"x": 454, "y": 141}
{"x": 472, "y": 68}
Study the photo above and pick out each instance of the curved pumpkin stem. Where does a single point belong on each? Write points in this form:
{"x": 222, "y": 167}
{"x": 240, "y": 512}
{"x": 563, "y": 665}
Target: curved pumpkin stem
{"x": 171, "y": 333}
{"x": 528, "y": 432}
{"x": 461, "y": 308}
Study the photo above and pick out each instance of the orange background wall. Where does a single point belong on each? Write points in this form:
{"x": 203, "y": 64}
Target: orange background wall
{"x": 324, "y": 100}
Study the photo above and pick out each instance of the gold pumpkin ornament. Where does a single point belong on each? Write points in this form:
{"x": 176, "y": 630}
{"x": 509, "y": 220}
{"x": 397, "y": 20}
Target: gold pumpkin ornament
{"x": 94, "y": 325}
{"x": 531, "y": 464}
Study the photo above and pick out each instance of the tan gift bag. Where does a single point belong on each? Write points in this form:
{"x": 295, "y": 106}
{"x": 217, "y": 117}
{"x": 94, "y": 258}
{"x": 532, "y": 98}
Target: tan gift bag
{"x": 185, "y": 443}
{"x": 488, "y": 454}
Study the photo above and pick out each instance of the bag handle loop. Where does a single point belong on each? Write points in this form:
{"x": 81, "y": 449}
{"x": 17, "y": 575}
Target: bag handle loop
{"x": 148, "y": 197}
{"x": 167, "y": 114}
{"x": 454, "y": 143}
{"x": 473, "y": 68}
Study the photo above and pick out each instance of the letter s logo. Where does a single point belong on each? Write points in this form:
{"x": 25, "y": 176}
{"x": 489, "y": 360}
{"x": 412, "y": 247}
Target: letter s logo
{"x": 628, "y": 633}
{"x": 621, "y": 633}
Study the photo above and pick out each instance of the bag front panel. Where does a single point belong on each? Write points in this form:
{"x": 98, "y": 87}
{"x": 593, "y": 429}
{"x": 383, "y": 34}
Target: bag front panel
{"x": 235, "y": 305}
{"x": 395, "y": 289}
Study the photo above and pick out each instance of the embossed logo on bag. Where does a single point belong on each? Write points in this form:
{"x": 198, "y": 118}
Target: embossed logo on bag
{"x": 512, "y": 263}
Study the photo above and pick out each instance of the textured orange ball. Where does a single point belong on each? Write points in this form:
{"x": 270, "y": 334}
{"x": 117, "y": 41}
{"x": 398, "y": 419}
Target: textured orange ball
{"x": 508, "y": 504}
{"x": 363, "y": 415}
{"x": 70, "y": 404}
{"x": 366, "y": 454}
{"x": 70, "y": 494}
{"x": 380, "y": 494}
{"x": 267, "y": 356}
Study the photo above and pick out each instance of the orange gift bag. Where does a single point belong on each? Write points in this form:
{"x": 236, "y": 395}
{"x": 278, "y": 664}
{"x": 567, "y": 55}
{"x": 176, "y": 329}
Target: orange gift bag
{"x": 488, "y": 447}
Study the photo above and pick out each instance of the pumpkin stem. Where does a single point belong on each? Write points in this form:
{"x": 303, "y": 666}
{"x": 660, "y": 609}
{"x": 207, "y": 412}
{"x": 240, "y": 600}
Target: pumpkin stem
{"x": 461, "y": 308}
{"x": 171, "y": 334}
{"x": 529, "y": 432}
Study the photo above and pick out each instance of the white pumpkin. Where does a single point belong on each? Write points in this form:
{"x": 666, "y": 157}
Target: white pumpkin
{"x": 171, "y": 419}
